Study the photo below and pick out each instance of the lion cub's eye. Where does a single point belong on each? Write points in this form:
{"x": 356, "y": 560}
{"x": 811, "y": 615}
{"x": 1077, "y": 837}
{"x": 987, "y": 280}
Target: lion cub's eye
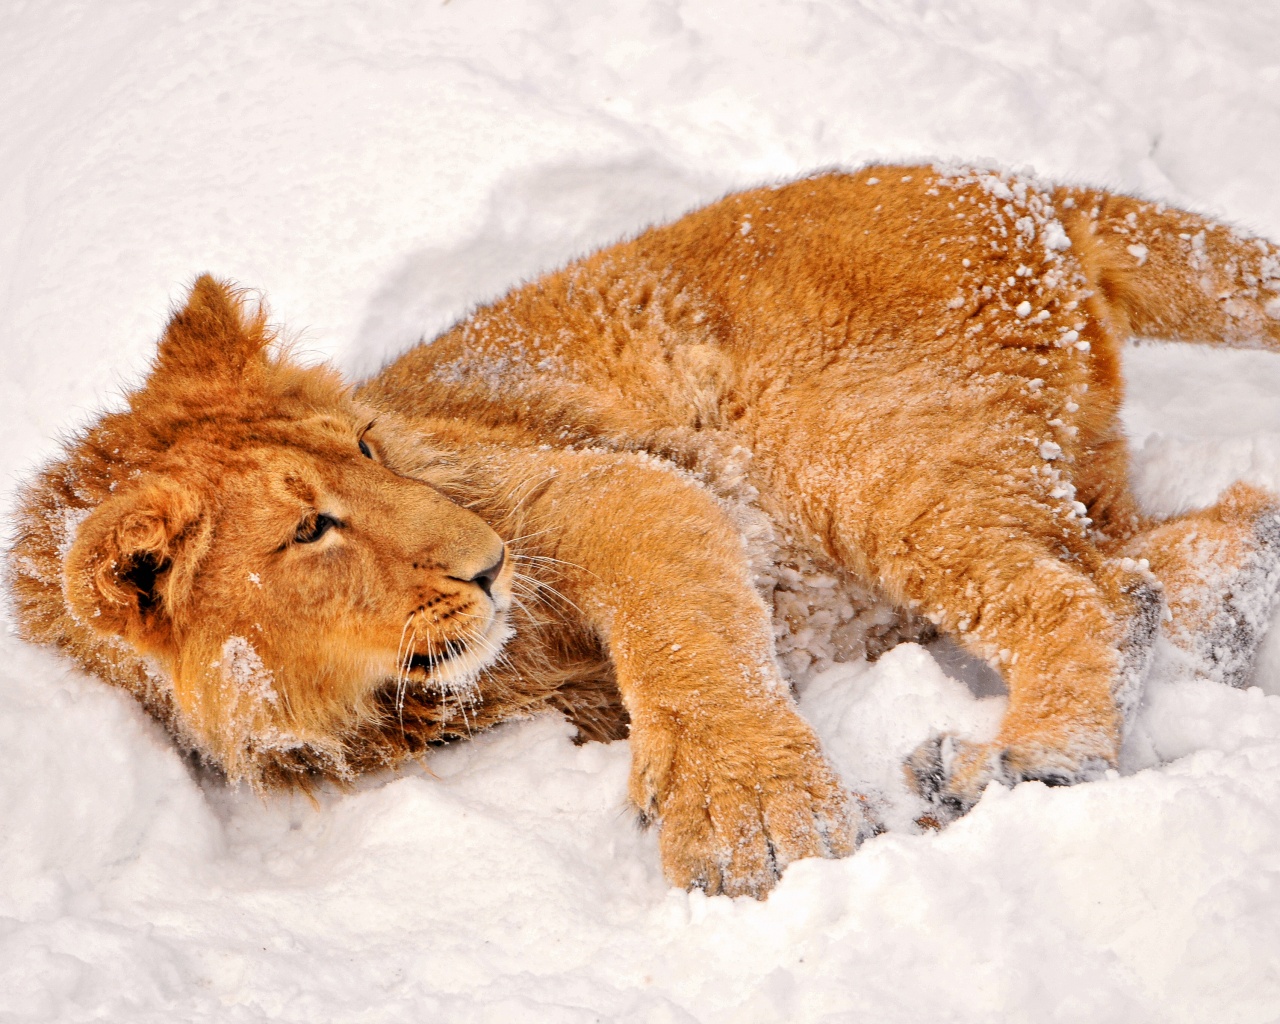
{"x": 312, "y": 530}
{"x": 364, "y": 449}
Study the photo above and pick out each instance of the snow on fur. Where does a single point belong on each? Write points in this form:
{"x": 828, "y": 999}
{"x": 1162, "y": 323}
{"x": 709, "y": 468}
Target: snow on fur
{"x": 379, "y": 169}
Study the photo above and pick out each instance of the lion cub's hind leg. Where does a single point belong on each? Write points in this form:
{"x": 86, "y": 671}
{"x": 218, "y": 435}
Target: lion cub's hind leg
{"x": 1091, "y": 635}
{"x": 1220, "y": 568}
{"x": 1020, "y": 585}
{"x": 1073, "y": 648}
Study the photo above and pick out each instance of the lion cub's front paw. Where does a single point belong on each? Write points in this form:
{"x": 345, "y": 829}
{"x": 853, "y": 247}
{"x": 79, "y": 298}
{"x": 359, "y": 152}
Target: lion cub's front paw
{"x": 951, "y": 773}
{"x": 734, "y": 811}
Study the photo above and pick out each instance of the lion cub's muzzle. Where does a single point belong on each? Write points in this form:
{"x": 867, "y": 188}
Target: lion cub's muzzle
{"x": 457, "y": 633}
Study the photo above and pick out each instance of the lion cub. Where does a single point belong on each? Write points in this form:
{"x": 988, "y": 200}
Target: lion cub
{"x": 596, "y": 494}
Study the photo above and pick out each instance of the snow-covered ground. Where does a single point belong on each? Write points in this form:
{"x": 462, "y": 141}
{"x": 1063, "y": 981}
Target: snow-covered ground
{"x": 378, "y": 167}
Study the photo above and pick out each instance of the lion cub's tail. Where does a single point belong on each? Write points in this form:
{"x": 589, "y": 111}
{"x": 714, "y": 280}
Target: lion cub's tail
{"x": 1173, "y": 274}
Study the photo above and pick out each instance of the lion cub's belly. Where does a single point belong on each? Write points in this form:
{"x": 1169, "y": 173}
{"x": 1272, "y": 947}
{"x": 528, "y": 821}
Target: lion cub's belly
{"x": 823, "y": 615}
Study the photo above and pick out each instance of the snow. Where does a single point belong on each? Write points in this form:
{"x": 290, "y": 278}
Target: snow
{"x": 377, "y": 169}
{"x": 242, "y": 669}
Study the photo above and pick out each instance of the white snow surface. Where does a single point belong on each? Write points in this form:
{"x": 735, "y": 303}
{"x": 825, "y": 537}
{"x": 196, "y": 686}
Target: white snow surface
{"x": 377, "y": 168}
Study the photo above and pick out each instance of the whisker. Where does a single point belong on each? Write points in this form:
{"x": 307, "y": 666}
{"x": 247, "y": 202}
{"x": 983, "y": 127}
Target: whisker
{"x": 542, "y": 586}
{"x": 514, "y": 541}
{"x": 534, "y": 487}
{"x": 404, "y": 657}
{"x": 402, "y": 682}
{"x": 547, "y": 559}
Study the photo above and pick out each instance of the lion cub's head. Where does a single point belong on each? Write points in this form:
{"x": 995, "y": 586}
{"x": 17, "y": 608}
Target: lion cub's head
{"x": 239, "y": 529}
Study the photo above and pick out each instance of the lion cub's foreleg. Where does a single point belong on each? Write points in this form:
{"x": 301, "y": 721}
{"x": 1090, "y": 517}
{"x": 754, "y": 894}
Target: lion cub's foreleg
{"x": 721, "y": 759}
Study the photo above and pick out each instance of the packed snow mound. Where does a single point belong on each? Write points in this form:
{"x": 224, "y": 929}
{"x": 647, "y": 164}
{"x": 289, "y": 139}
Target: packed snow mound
{"x": 379, "y": 169}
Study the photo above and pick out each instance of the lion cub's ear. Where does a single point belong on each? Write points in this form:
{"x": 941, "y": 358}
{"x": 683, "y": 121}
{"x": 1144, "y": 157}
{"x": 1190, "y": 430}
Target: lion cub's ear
{"x": 134, "y": 559}
{"x": 217, "y": 334}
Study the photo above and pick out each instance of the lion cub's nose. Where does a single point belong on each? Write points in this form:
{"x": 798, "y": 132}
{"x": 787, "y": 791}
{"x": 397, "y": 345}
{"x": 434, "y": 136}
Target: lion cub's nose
{"x": 484, "y": 579}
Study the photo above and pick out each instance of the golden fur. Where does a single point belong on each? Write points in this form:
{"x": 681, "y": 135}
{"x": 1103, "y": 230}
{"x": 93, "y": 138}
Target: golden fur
{"x": 905, "y": 379}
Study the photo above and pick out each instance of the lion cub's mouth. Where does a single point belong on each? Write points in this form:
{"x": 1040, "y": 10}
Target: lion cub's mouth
{"x": 429, "y": 662}
{"x": 459, "y": 663}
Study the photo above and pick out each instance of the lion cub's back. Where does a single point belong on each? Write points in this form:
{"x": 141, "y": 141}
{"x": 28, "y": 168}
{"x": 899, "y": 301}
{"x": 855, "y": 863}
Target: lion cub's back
{"x": 871, "y": 283}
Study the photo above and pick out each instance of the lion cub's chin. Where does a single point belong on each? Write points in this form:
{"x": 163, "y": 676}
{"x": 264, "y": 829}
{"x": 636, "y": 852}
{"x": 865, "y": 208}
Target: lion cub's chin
{"x": 462, "y": 671}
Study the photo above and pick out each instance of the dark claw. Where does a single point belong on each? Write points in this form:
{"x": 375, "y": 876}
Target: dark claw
{"x": 924, "y": 769}
{"x": 928, "y": 777}
{"x": 1050, "y": 779}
